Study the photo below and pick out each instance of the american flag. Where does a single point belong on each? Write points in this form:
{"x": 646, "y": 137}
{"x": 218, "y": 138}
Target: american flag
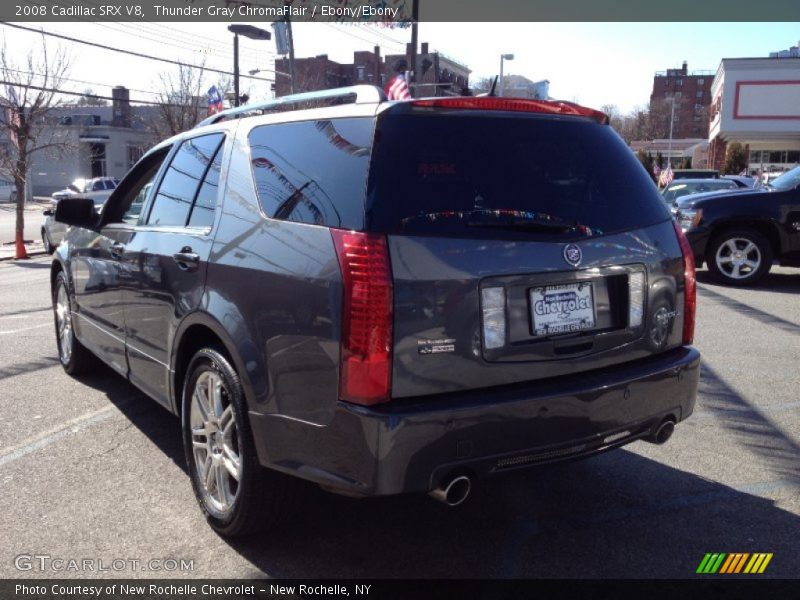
{"x": 214, "y": 100}
{"x": 666, "y": 176}
{"x": 397, "y": 88}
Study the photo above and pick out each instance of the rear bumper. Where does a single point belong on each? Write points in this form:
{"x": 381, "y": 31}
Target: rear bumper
{"x": 411, "y": 445}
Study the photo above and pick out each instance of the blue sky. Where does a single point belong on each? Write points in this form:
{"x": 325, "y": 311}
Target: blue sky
{"x": 591, "y": 63}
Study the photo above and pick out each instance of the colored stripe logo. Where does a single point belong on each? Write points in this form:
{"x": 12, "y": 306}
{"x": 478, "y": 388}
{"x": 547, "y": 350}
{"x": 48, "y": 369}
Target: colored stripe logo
{"x": 734, "y": 563}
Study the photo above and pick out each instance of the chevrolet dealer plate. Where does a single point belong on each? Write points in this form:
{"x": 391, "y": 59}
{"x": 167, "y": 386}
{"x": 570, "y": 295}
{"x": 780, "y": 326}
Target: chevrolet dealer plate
{"x": 562, "y": 308}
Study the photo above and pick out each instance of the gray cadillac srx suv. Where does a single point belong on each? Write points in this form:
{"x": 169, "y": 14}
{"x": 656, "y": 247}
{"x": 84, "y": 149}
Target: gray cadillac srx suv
{"x": 384, "y": 297}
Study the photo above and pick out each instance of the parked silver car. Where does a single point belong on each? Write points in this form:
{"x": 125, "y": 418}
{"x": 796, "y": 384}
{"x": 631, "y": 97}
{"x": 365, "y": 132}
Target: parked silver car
{"x": 97, "y": 188}
{"x": 53, "y": 231}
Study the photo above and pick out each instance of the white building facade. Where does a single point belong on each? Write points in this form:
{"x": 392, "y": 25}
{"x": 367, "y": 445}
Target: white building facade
{"x": 756, "y": 102}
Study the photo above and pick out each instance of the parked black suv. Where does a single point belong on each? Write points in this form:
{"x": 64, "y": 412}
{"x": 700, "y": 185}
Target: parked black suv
{"x": 740, "y": 233}
{"x": 385, "y": 297}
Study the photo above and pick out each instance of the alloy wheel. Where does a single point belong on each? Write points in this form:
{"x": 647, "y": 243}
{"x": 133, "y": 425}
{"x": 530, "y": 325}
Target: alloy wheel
{"x": 738, "y": 258}
{"x": 63, "y": 324}
{"x": 215, "y": 443}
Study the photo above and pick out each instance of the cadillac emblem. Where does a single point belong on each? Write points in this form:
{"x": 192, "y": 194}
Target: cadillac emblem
{"x": 572, "y": 254}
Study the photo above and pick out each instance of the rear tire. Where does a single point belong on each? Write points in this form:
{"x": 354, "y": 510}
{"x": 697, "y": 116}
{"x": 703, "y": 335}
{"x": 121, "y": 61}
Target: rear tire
{"x": 739, "y": 257}
{"x": 74, "y": 356}
{"x": 237, "y": 495}
{"x": 48, "y": 247}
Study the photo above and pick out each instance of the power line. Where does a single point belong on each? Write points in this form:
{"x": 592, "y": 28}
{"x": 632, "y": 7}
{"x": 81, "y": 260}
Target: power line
{"x": 82, "y": 95}
{"x": 137, "y": 54}
{"x": 94, "y": 83}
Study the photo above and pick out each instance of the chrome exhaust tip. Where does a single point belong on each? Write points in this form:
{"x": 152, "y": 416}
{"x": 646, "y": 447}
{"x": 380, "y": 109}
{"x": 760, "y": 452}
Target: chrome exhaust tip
{"x": 454, "y": 493}
{"x": 662, "y": 433}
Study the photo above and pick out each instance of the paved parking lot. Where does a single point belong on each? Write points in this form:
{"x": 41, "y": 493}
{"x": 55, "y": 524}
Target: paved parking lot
{"x": 92, "y": 469}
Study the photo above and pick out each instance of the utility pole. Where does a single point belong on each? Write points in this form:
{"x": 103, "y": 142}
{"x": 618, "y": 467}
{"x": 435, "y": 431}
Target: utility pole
{"x": 412, "y": 55}
{"x": 236, "y": 69}
{"x": 671, "y": 121}
{"x": 290, "y": 37}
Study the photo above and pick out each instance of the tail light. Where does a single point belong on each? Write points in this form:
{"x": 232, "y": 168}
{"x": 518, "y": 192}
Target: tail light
{"x": 366, "y": 352}
{"x": 690, "y": 285}
{"x": 557, "y": 107}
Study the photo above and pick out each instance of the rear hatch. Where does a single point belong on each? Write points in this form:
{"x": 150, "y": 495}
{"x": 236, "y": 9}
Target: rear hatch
{"x": 523, "y": 246}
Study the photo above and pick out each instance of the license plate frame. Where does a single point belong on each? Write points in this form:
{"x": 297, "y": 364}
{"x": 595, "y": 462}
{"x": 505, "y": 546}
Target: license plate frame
{"x": 562, "y": 308}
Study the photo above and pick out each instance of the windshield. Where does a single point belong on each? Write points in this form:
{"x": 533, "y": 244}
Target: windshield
{"x": 787, "y": 181}
{"x": 506, "y": 176}
{"x": 678, "y": 190}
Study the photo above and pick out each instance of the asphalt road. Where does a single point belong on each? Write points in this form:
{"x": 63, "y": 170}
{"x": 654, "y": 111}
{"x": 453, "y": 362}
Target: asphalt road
{"x": 92, "y": 469}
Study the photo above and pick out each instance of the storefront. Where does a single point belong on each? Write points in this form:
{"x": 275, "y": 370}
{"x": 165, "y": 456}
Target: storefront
{"x": 756, "y": 102}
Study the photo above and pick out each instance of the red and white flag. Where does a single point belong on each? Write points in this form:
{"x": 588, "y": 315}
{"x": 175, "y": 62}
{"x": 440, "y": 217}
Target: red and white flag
{"x": 397, "y": 88}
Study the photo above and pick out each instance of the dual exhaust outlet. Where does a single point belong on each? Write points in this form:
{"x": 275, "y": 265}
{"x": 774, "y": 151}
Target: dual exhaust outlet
{"x": 456, "y": 490}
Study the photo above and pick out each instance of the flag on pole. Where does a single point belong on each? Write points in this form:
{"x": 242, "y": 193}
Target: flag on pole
{"x": 397, "y": 88}
{"x": 666, "y": 176}
{"x": 214, "y": 100}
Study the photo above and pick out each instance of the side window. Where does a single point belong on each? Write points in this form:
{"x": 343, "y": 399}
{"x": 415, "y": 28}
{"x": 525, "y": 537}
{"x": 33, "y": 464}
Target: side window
{"x": 125, "y": 205}
{"x": 98, "y": 186}
{"x": 313, "y": 171}
{"x": 180, "y": 184}
{"x": 203, "y": 210}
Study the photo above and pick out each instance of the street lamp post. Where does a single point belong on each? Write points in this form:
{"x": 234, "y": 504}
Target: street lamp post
{"x": 671, "y": 122}
{"x": 248, "y": 31}
{"x": 503, "y": 57}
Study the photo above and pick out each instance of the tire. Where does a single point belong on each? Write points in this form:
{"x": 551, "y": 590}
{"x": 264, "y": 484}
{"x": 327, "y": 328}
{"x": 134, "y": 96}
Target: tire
{"x": 74, "y": 356}
{"x": 218, "y": 435}
{"x": 739, "y": 257}
{"x": 48, "y": 247}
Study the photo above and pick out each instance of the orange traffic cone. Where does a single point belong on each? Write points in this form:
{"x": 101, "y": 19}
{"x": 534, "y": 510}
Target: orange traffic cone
{"x": 21, "y": 252}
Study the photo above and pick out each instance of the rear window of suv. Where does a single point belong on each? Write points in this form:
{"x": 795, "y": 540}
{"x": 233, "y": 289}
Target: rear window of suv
{"x": 506, "y": 176}
{"x": 313, "y": 171}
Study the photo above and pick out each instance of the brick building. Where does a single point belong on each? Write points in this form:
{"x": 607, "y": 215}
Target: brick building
{"x": 692, "y": 94}
{"x": 437, "y": 75}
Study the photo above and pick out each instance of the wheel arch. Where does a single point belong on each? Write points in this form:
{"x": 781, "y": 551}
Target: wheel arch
{"x": 199, "y": 330}
{"x": 768, "y": 229}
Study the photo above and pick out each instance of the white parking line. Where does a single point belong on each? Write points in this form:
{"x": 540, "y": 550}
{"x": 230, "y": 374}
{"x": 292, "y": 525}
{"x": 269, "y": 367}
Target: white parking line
{"x": 56, "y": 433}
{"x": 26, "y": 328}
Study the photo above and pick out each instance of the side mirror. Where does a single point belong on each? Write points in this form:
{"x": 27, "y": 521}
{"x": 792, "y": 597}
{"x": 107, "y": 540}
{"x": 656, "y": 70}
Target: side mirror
{"x": 48, "y": 212}
{"x": 76, "y": 211}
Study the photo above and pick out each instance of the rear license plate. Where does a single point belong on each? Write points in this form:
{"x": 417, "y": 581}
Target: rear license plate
{"x": 562, "y": 308}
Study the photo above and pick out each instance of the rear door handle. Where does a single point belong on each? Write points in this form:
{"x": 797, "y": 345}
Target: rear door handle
{"x": 186, "y": 259}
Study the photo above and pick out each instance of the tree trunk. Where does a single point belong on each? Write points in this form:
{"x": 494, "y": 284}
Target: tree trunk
{"x": 21, "y": 175}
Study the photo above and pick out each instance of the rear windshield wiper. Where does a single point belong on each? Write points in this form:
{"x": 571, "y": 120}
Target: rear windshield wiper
{"x": 522, "y": 220}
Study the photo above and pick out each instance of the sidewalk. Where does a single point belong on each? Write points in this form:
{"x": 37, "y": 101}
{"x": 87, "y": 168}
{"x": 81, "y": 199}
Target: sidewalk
{"x": 33, "y": 211}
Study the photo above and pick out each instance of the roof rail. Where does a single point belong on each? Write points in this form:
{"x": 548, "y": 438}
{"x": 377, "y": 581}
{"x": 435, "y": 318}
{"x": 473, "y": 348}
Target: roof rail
{"x": 365, "y": 94}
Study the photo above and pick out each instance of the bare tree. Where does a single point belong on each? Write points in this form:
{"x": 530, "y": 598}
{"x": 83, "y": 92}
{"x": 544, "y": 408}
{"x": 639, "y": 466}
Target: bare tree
{"x": 89, "y": 98}
{"x": 182, "y": 102}
{"x": 29, "y": 94}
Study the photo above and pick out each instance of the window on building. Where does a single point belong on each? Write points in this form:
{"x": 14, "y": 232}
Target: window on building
{"x": 678, "y": 95}
{"x": 698, "y": 107}
{"x": 699, "y": 94}
{"x": 793, "y": 156}
{"x": 135, "y": 152}
{"x": 360, "y": 73}
{"x": 701, "y": 81}
{"x": 776, "y": 156}
{"x": 679, "y": 82}
{"x": 755, "y": 156}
